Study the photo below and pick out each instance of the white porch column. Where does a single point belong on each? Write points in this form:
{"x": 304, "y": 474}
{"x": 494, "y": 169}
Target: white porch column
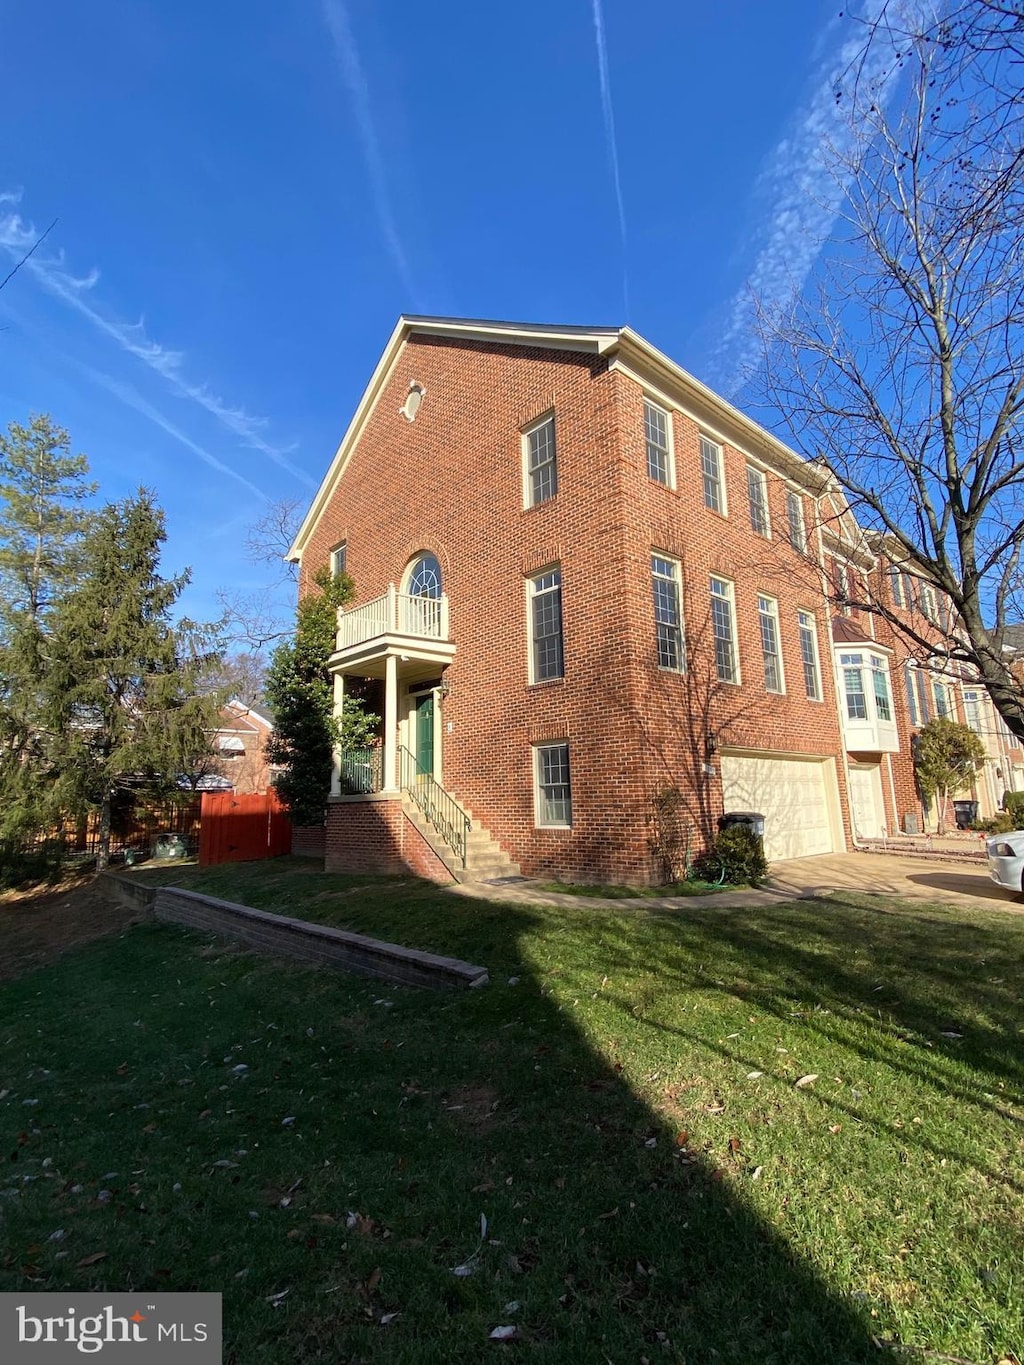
{"x": 390, "y": 774}
{"x": 339, "y": 702}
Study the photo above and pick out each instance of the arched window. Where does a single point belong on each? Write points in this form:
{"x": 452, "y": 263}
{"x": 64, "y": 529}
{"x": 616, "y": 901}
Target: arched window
{"x": 424, "y": 577}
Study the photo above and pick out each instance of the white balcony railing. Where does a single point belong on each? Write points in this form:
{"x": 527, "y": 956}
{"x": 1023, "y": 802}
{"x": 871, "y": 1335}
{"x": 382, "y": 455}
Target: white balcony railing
{"x": 394, "y": 613}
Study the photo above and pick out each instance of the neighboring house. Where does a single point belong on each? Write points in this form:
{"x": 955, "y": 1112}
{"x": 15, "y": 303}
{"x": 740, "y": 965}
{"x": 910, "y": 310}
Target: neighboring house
{"x": 239, "y": 762}
{"x": 585, "y": 600}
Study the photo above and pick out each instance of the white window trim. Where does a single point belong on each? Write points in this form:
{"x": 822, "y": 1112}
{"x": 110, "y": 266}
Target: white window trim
{"x": 730, "y": 597}
{"x": 812, "y": 629}
{"x": 791, "y": 494}
{"x": 773, "y": 614}
{"x": 537, "y": 787}
{"x": 531, "y": 594}
{"x": 677, "y": 578}
{"x": 524, "y": 446}
{"x": 670, "y": 479}
{"x": 342, "y": 549}
{"x": 761, "y": 480}
{"x": 723, "y": 494}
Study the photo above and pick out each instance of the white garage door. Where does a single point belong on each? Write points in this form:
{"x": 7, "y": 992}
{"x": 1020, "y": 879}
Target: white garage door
{"x": 795, "y": 795}
{"x": 866, "y": 804}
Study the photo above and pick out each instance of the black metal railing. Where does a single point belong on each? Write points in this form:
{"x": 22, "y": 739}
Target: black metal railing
{"x": 360, "y": 771}
{"x": 439, "y": 806}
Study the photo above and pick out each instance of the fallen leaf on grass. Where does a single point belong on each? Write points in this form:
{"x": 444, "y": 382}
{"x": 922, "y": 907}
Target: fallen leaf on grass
{"x": 385, "y": 1318}
{"x": 504, "y": 1334}
{"x": 373, "y": 1279}
{"x": 754, "y": 1075}
{"x": 734, "y": 1145}
{"x": 682, "y": 1138}
{"x": 93, "y": 1259}
{"x": 805, "y": 1081}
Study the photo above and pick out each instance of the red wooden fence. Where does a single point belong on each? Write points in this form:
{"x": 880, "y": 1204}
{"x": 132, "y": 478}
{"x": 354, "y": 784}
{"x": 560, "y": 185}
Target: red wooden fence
{"x": 238, "y": 829}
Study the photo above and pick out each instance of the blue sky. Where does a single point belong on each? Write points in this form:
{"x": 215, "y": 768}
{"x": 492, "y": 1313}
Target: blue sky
{"x": 249, "y": 194}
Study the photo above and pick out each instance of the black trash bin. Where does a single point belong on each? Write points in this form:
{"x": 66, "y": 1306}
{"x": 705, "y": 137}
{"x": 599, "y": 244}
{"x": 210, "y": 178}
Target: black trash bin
{"x": 751, "y": 819}
{"x": 965, "y": 812}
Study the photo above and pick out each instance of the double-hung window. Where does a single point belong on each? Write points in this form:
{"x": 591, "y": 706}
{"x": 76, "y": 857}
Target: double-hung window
{"x": 768, "y": 615}
{"x": 723, "y": 625}
{"x": 795, "y": 517}
{"x": 880, "y": 685}
{"x": 853, "y": 686}
{"x": 546, "y": 658}
{"x": 339, "y": 558}
{"x": 896, "y": 585}
{"x": 809, "y": 654}
{"x": 540, "y": 461}
{"x": 711, "y": 471}
{"x": 552, "y": 786}
{"x": 668, "y": 613}
{"x": 918, "y": 705}
{"x": 757, "y": 494}
{"x": 658, "y": 438}
{"x": 943, "y": 706}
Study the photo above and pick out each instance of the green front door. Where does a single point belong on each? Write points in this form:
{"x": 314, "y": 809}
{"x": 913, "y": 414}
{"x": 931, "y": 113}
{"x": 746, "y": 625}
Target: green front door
{"x": 425, "y": 733}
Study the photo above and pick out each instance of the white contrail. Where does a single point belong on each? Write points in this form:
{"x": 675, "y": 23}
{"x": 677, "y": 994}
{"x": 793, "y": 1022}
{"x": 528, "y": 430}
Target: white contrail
{"x": 354, "y": 77}
{"x": 16, "y": 235}
{"x": 124, "y": 393}
{"x": 798, "y": 179}
{"x": 611, "y": 143}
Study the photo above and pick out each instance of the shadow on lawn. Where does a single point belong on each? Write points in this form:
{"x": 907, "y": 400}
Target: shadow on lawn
{"x": 496, "y": 1101}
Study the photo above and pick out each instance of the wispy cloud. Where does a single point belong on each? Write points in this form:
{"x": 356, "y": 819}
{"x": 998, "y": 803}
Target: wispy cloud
{"x": 611, "y": 142}
{"x": 337, "y": 19}
{"x": 798, "y": 180}
{"x": 78, "y": 293}
{"x": 131, "y": 398}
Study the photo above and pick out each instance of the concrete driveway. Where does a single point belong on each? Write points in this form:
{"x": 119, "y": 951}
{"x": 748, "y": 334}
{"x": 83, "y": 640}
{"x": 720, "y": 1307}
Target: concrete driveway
{"x": 964, "y": 883}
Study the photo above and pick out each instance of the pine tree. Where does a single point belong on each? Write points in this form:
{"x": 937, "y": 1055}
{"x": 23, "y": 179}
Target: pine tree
{"x": 122, "y": 710}
{"x": 43, "y": 489}
{"x": 300, "y": 693}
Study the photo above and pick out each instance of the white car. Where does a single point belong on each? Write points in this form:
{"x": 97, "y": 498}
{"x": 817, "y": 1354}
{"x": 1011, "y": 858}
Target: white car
{"x": 1006, "y": 859}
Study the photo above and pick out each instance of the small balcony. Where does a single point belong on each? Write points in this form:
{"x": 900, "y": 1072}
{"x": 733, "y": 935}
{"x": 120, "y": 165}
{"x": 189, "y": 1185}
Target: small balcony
{"x": 408, "y": 628}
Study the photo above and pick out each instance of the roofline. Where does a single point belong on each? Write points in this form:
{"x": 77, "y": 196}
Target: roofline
{"x": 607, "y": 341}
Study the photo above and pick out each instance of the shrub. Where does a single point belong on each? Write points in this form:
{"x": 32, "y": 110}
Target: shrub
{"x": 1002, "y": 823}
{"x": 1013, "y": 804}
{"x": 740, "y": 852}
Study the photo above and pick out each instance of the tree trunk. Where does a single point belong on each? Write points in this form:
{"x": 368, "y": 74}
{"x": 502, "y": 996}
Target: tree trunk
{"x": 103, "y": 847}
{"x": 942, "y": 796}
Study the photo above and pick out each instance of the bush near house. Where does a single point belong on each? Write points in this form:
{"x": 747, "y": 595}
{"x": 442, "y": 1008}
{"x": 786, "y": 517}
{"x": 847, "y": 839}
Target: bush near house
{"x": 738, "y": 853}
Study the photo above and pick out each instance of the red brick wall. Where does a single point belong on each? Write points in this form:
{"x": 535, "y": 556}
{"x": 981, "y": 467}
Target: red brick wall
{"x": 309, "y": 841}
{"x": 377, "y": 836}
{"x": 451, "y": 482}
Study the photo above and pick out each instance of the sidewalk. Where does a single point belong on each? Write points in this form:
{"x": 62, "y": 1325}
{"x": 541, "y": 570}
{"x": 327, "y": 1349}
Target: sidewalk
{"x": 939, "y": 877}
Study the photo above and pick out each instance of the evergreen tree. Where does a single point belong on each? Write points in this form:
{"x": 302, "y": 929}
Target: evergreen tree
{"x": 948, "y": 755}
{"x": 122, "y": 710}
{"x": 43, "y": 489}
{"x": 300, "y": 692}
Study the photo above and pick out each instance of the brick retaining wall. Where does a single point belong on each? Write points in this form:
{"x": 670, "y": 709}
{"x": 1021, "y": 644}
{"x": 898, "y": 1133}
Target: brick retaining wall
{"x": 317, "y": 943}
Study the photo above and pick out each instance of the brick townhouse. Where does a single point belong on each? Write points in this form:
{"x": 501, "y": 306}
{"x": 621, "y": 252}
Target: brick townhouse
{"x": 585, "y": 609}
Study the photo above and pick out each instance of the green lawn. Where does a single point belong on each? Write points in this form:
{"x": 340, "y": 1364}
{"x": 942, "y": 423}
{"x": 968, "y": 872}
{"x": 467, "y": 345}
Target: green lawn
{"x": 620, "y": 1104}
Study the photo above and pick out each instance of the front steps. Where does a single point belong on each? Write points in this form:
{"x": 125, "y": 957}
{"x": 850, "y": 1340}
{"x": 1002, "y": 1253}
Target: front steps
{"x": 485, "y": 859}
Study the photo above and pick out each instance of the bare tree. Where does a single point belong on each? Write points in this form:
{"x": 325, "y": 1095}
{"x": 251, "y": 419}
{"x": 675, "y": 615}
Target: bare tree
{"x": 252, "y": 621}
{"x": 905, "y": 373}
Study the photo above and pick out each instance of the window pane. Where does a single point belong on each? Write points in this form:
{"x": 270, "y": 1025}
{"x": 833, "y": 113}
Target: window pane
{"x": 795, "y": 514}
{"x": 721, "y": 620}
{"x": 770, "y": 644}
{"x": 710, "y": 464}
{"x": 543, "y": 471}
{"x": 546, "y": 621}
{"x": 856, "y": 702}
{"x": 809, "y": 655}
{"x": 896, "y": 582}
{"x": 554, "y": 793}
{"x": 668, "y": 616}
{"x": 908, "y": 677}
{"x": 656, "y": 435}
{"x": 758, "y": 500}
{"x": 881, "y": 686}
